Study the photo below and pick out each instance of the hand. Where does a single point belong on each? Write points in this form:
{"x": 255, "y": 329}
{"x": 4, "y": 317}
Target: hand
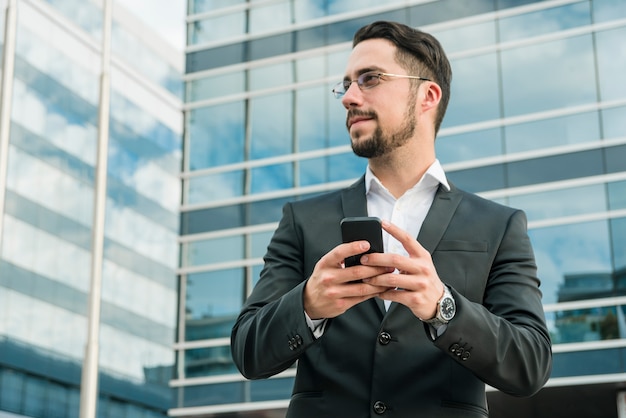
{"x": 332, "y": 289}
{"x": 416, "y": 285}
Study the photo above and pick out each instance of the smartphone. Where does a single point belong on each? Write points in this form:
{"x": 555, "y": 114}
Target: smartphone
{"x": 367, "y": 228}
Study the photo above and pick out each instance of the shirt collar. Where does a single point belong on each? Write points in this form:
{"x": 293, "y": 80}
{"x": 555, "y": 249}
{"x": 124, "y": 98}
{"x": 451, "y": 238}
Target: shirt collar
{"x": 433, "y": 177}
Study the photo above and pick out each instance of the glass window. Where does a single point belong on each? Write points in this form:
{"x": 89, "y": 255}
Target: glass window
{"x": 548, "y": 76}
{"x": 214, "y": 250}
{"x": 479, "y": 179}
{"x": 213, "y": 302}
{"x": 617, "y": 195}
{"x": 311, "y": 68}
{"x": 345, "y": 167}
{"x": 605, "y": 10}
{"x": 618, "y": 236}
{"x": 272, "y": 16}
{"x": 614, "y": 122}
{"x": 571, "y": 259}
{"x": 559, "y": 203}
{"x": 214, "y": 187}
{"x": 469, "y": 145}
{"x": 474, "y": 93}
{"x": 270, "y": 76}
{"x": 313, "y": 171}
{"x": 271, "y": 177}
{"x": 547, "y": 133}
{"x": 588, "y": 362}
{"x": 87, "y": 15}
{"x": 200, "y": 6}
{"x": 544, "y": 21}
{"x": 216, "y": 86}
{"x": 271, "y": 119}
{"x": 212, "y": 219}
{"x": 311, "y": 118}
{"x": 611, "y": 51}
{"x": 259, "y": 242}
{"x": 216, "y": 135}
{"x": 593, "y": 324}
{"x": 12, "y": 393}
{"x": 467, "y": 37}
{"x": 216, "y": 28}
{"x": 210, "y": 361}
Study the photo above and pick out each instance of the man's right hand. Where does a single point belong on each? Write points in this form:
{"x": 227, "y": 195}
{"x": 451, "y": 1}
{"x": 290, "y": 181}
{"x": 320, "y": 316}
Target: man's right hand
{"x": 332, "y": 289}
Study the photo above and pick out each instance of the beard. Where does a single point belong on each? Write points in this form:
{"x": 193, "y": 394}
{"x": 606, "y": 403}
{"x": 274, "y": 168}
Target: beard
{"x": 381, "y": 143}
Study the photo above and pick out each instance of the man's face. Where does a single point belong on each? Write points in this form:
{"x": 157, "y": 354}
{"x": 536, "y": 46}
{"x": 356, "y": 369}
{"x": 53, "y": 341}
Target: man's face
{"x": 380, "y": 119}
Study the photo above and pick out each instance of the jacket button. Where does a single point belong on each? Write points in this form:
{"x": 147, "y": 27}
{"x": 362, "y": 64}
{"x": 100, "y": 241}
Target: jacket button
{"x": 384, "y": 338}
{"x": 454, "y": 348}
{"x": 380, "y": 407}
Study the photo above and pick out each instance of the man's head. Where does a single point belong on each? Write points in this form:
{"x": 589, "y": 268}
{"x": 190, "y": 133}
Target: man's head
{"x": 419, "y": 53}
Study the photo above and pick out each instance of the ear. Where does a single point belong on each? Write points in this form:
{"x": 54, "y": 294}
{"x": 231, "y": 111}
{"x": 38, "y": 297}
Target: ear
{"x": 431, "y": 96}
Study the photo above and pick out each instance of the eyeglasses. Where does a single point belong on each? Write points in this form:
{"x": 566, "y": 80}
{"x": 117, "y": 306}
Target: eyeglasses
{"x": 367, "y": 81}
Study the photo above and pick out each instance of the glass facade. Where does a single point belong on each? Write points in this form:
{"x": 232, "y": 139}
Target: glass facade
{"x": 45, "y": 263}
{"x": 536, "y": 121}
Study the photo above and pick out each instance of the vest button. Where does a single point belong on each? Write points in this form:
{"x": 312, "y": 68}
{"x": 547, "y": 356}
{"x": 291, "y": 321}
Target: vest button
{"x": 380, "y": 407}
{"x": 384, "y": 338}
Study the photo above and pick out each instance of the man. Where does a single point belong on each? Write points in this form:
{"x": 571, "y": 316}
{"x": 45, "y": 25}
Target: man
{"x": 419, "y": 329}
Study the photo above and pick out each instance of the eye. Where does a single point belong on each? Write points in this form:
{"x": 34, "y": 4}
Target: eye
{"x": 368, "y": 80}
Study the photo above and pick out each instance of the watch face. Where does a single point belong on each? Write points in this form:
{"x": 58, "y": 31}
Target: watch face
{"x": 447, "y": 308}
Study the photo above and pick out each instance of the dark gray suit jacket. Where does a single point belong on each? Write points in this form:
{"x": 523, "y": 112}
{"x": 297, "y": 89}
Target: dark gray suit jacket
{"x": 374, "y": 363}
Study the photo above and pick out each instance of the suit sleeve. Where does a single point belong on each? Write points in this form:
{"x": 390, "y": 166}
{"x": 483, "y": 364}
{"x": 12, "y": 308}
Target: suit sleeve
{"x": 271, "y": 330}
{"x": 504, "y": 341}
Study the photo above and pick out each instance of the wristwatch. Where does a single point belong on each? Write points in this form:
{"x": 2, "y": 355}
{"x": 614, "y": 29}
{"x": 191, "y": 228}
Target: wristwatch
{"x": 446, "y": 308}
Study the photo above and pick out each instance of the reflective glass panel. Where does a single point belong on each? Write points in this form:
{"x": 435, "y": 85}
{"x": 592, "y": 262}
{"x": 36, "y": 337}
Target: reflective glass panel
{"x": 209, "y": 361}
{"x": 605, "y": 10}
{"x": 585, "y": 363}
{"x": 216, "y": 135}
{"x": 214, "y": 250}
{"x": 614, "y": 122}
{"x": 216, "y": 28}
{"x": 272, "y": 75}
{"x": 216, "y": 86}
{"x": 573, "y": 260}
{"x": 259, "y": 242}
{"x": 310, "y": 68}
{"x": 593, "y": 324}
{"x": 611, "y": 50}
{"x": 548, "y": 76}
{"x": 345, "y": 167}
{"x": 313, "y": 171}
{"x": 559, "y": 203}
{"x": 271, "y": 120}
{"x": 272, "y": 16}
{"x": 544, "y": 21}
{"x": 617, "y": 195}
{"x": 311, "y": 118}
{"x": 199, "y": 6}
{"x": 469, "y": 146}
{"x": 474, "y": 93}
{"x": 215, "y": 186}
{"x": 213, "y": 302}
{"x": 618, "y": 236}
{"x": 564, "y": 130}
{"x": 467, "y": 37}
{"x": 272, "y": 177}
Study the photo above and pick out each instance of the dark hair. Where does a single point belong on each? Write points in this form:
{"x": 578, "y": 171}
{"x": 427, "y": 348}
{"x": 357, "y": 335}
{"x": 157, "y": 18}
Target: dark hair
{"x": 418, "y": 52}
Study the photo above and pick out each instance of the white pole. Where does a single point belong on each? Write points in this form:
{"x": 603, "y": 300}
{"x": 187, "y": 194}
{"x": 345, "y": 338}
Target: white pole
{"x": 89, "y": 383}
{"x": 6, "y": 98}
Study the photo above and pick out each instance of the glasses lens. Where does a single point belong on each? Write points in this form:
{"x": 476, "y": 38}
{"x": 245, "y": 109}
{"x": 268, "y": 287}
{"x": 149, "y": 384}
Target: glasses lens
{"x": 368, "y": 80}
{"x": 340, "y": 89}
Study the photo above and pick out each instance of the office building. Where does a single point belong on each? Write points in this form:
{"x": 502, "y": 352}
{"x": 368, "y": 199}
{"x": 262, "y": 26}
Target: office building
{"x": 536, "y": 121}
{"x": 48, "y": 214}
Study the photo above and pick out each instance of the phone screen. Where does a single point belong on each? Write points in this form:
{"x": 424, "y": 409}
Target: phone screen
{"x": 367, "y": 228}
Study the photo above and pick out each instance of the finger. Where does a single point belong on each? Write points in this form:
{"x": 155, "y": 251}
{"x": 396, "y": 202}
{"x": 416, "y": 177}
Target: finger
{"x": 337, "y": 255}
{"x": 409, "y": 242}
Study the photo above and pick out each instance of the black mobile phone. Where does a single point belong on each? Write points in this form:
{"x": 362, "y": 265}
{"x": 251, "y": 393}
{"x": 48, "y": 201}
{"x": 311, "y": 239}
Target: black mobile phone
{"x": 366, "y": 228}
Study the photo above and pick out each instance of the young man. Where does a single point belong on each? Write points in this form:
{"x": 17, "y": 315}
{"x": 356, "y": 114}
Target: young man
{"x": 451, "y": 305}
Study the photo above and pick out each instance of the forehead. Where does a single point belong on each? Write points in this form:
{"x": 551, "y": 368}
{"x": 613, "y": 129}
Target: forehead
{"x": 372, "y": 54}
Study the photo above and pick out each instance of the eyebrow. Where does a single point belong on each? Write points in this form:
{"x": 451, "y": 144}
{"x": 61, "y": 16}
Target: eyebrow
{"x": 363, "y": 71}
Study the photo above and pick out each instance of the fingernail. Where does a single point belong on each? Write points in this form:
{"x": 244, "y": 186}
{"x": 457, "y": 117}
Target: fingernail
{"x": 364, "y": 259}
{"x": 363, "y": 246}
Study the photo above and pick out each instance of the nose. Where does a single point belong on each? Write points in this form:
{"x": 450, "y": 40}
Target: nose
{"x": 352, "y": 97}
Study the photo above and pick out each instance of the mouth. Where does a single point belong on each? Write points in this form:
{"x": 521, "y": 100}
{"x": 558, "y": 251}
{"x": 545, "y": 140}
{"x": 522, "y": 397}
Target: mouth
{"x": 355, "y": 119}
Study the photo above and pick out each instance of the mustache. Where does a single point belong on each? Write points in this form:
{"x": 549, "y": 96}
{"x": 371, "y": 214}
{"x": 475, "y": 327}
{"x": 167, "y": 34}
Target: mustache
{"x": 352, "y": 113}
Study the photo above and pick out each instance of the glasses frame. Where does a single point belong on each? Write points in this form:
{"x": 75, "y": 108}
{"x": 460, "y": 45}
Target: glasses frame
{"x": 360, "y": 81}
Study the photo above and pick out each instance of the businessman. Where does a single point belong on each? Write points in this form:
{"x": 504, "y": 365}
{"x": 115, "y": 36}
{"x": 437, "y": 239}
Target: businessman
{"x": 451, "y": 305}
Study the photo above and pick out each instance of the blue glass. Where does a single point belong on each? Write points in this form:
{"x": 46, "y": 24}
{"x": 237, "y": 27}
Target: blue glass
{"x": 588, "y": 362}
{"x": 614, "y": 122}
{"x": 560, "y": 203}
{"x": 209, "y": 361}
{"x": 345, "y": 167}
{"x": 269, "y": 76}
{"x": 216, "y": 86}
{"x": 264, "y": 18}
{"x": 216, "y": 28}
{"x": 259, "y": 242}
{"x": 544, "y": 21}
{"x": 213, "y": 302}
{"x": 214, "y": 250}
{"x": 216, "y": 135}
{"x": 271, "y": 178}
{"x": 312, "y": 118}
{"x": 87, "y": 15}
{"x": 475, "y": 95}
{"x": 548, "y": 76}
{"x": 564, "y": 130}
{"x": 470, "y": 145}
{"x": 617, "y": 195}
{"x": 607, "y": 10}
{"x": 313, "y": 171}
{"x": 467, "y": 37}
{"x": 271, "y": 120}
{"x": 611, "y": 63}
{"x": 618, "y": 241}
{"x": 479, "y": 179}
{"x": 215, "y": 186}
{"x": 565, "y": 253}
{"x": 237, "y": 392}
{"x": 200, "y": 6}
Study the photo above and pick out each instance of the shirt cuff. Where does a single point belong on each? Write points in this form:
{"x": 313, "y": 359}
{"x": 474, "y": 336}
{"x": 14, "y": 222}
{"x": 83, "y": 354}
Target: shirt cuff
{"x": 317, "y": 326}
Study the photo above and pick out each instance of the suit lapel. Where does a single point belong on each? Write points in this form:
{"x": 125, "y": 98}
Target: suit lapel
{"x": 439, "y": 217}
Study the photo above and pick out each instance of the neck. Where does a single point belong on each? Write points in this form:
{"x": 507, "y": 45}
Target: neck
{"x": 401, "y": 170}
